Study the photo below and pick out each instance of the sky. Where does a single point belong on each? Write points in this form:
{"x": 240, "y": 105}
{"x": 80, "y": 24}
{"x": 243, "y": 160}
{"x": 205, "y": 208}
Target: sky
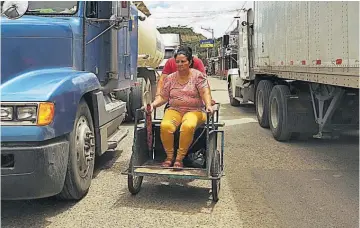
{"x": 218, "y": 15}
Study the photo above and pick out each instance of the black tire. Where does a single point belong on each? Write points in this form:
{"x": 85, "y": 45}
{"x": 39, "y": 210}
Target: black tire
{"x": 136, "y": 97}
{"x": 147, "y": 93}
{"x": 278, "y": 116}
{"x": 263, "y": 91}
{"x": 77, "y": 184}
{"x": 233, "y": 101}
{"x": 215, "y": 171}
{"x": 153, "y": 89}
{"x": 134, "y": 184}
{"x": 125, "y": 97}
{"x": 129, "y": 114}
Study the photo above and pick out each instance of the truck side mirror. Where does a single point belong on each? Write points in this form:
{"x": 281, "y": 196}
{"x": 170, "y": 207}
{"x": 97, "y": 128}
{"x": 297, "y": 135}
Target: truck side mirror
{"x": 14, "y": 9}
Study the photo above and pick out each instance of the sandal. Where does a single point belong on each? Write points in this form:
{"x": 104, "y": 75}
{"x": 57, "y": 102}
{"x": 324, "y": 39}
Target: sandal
{"x": 178, "y": 165}
{"x": 166, "y": 163}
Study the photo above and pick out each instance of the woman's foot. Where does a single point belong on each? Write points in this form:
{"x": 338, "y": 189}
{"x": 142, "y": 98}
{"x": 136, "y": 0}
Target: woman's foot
{"x": 167, "y": 163}
{"x": 178, "y": 164}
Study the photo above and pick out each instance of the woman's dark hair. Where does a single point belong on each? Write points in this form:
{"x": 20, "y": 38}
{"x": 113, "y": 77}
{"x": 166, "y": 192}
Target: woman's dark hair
{"x": 187, "y": 51}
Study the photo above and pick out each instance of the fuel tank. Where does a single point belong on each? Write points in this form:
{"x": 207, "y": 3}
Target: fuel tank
{"x": 150, "y": 43}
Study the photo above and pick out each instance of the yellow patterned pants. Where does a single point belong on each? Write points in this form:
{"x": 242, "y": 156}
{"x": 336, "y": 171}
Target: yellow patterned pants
{"x": 171, "y": 121}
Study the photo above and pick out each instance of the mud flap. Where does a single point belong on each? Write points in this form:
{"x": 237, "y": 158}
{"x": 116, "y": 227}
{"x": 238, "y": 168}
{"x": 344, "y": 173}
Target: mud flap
{"x": 300, "y": 114}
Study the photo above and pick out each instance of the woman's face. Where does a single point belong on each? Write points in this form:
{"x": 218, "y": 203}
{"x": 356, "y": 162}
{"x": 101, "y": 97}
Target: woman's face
{"x": 182, "y": 63}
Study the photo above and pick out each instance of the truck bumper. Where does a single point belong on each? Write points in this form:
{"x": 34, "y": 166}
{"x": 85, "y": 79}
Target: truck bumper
{"x": 33, "y": 170}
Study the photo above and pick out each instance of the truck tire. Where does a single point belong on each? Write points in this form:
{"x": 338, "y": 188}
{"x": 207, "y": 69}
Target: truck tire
{"x": 136, "y": 97}
{"x": 81, "y": 161}
{"x": 124, "y": 96}
{"x": 233, "y": 101}
{"x": 153, "y": 90}
{"x": 263, "y": 91}
{"x": 278, "y": 113}
{"x": 147, "y": 93}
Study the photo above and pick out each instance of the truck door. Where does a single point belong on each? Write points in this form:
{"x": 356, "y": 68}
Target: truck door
{"x": 244, "y": 66}
{"x": 96, "y": 50}
{"x": 124, "y": 41}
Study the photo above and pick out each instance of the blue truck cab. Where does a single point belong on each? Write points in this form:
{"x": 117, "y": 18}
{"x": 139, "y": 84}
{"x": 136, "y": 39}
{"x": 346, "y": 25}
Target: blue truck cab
{"x": 67, "y": 69}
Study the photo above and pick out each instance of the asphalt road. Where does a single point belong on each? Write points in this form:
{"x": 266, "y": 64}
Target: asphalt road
{"x": 311, "y": 183}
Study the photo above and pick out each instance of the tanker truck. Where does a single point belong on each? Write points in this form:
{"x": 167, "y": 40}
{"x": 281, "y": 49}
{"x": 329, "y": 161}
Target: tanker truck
{"x": 71, "y": 71}
{"x": 151, "y": 53}
{"x": 299, "y": 63}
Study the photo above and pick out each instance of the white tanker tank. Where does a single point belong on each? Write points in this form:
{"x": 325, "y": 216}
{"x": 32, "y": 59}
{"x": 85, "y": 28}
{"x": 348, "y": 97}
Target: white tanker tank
{"x": 151, "y": 49}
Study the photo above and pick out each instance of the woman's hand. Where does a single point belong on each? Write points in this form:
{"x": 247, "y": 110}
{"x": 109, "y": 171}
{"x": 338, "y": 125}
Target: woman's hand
{"x": 150, "y": 110}
{"x": 209, "y": 109}
{"x": 159, "y": 100}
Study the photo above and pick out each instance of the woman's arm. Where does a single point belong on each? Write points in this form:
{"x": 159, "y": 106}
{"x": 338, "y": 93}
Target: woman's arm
{"x": 205, "y": 94}
{"x": 159, "y": 100}
{"x": 203, "y": 87}
{"x": 164, "y": 94}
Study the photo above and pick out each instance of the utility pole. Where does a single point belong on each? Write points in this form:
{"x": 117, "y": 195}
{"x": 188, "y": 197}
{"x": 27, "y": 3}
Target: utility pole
{"x": 212, "y": 35}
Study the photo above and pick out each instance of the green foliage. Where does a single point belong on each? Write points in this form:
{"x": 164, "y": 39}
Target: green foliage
{"x": 46, "y": 10}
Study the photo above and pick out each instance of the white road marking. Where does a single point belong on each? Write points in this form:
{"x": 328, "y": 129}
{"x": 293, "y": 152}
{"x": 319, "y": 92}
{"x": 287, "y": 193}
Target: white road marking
{"x": 239, "y": 121}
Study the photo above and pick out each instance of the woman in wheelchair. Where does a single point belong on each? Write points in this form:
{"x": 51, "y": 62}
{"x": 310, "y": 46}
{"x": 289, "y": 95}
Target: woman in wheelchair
{"x": 188, "y": 94}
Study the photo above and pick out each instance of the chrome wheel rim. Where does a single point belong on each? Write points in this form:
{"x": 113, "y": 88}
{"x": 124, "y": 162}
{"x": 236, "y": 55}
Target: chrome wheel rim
{"x": 85, "y": 146}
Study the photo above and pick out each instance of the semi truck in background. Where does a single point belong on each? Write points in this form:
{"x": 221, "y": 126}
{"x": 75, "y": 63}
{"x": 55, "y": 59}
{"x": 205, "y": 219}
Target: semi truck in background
{"x": 298, "y": 62}
{"x": 172, "y": 42}
{"x": 71, "y": 73}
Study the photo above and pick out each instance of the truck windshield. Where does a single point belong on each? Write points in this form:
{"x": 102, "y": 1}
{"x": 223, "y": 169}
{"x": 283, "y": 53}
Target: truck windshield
{"x": 52, "y": 7}
{"x": 169, "y": 54}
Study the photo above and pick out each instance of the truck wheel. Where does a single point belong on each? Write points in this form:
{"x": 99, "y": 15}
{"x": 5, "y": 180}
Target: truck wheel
{"x": 153, "y": 90}
{"x": 136, "y": 97}
{"x": 81, "y": 161}
{"x": 278, "y": 113}
{"x": 147, "y": 93}
{"x": 263, "y": 91}
{"x": 124, "y": 96}
{"x": 233, "y": 101}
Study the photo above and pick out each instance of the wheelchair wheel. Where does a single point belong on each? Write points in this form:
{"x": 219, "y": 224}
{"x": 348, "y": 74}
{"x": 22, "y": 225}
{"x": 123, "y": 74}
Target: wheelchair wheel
{"x": 134, "y": 184}
{"x": 215, "y": 172}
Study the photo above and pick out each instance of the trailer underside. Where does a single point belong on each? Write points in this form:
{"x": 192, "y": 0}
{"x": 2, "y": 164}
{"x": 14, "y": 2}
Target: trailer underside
{"x": 336, "y": 76}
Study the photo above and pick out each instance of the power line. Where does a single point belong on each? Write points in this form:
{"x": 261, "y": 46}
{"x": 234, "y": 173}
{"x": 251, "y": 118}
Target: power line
{"x": 210, "y": 11}
{"x": 215, "y": 13}
{"x": 236, "y": 16}
{"x": 189, "y": 17}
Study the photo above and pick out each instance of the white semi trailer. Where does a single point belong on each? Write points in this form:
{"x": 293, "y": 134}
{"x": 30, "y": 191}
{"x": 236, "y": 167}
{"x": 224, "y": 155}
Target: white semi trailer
{"x": 299, "y": 64}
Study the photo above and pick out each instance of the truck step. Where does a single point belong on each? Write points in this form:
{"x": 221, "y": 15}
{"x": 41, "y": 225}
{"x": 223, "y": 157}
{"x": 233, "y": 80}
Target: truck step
{"x": 114, "y": 105}
{"x": 242, "y": 101}
{"x": 119, "y": 135}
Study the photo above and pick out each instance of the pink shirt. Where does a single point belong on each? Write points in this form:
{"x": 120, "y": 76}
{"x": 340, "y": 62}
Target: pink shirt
{"x": 185, "y": 97}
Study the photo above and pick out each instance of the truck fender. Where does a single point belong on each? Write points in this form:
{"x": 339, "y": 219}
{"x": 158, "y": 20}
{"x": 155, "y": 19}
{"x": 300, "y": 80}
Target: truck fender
{"x": 63, "y": 86}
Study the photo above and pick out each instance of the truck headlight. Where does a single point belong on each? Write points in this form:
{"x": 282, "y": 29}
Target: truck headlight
{"x": 6, "y": 113}
{"x": 26, "y": 113}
